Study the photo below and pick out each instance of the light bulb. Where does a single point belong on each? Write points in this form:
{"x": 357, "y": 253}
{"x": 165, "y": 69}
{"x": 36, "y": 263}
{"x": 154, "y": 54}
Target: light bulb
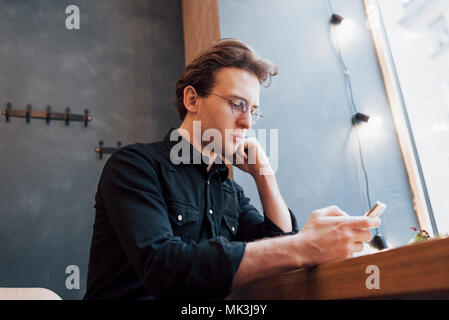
{"x": 347, "y": 23}
{"x": 375, "y": 122}
{"x": 346, "y": 32}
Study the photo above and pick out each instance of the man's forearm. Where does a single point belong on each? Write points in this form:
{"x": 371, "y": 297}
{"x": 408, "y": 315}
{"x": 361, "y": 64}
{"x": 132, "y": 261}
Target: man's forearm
{"x": 273, "y": 204}
{"x": 268, "y": 257}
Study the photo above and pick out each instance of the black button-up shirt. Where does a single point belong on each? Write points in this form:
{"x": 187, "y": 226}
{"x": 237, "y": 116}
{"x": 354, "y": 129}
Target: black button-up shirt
{"x": 166, "y": 230}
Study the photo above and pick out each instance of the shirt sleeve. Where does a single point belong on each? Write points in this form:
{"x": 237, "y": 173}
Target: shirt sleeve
{"x": 253, "y": 225}
{"x": 168, "y": 266}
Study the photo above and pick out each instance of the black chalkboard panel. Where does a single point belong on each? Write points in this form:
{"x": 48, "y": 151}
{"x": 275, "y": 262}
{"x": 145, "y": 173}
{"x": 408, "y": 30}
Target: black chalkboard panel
{"x": 121, "y": 64}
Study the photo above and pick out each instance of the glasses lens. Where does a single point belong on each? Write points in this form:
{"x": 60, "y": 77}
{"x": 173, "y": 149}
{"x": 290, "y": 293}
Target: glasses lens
{"x": 238, "y": 108}
{"x": 256, "y": 115}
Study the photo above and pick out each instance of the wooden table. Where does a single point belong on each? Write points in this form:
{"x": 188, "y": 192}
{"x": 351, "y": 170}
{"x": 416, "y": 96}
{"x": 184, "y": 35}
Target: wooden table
{"x": 416, "y": 271}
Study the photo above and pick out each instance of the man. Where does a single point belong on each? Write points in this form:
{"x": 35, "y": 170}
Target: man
{"x": 171, "y": 224}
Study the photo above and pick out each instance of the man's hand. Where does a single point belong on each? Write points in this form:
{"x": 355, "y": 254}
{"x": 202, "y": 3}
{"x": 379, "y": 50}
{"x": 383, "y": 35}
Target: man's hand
{"x": 330, "y": 235}
{"x": 251, "y": 158}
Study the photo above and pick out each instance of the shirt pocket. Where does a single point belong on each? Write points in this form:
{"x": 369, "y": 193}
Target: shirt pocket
{"x": 230, "y": 201}
{"x": 184, "y": 220}
{"x": 230, "y": 224}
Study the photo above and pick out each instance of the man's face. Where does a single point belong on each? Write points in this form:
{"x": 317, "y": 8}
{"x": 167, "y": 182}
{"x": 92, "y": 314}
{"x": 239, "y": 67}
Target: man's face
{"x": 216, "y": 113}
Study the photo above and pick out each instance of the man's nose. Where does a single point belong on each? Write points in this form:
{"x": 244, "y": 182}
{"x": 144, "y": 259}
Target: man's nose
{"x": 245, "y": 120}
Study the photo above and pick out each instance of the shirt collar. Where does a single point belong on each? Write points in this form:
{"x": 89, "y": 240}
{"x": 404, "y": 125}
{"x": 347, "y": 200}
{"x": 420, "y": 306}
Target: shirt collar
{"x": 195, "y": 157}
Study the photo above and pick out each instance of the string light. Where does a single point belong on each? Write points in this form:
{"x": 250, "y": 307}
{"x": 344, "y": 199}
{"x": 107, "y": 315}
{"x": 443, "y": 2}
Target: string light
{"x": 360, "y": 117}
{"x": 374, "y": 123}
{"x": 337, "y": 20}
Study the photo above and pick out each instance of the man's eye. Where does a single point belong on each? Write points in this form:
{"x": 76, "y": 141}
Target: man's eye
{"x": 238, "y": 105}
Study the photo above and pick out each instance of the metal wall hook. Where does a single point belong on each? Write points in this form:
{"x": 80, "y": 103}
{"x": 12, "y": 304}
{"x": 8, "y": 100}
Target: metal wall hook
{"x": 7, "y": 111}
{"x": 106, "y": 150}
{"x": 99, "y": 149}
{"x": 86, "y": 117}
{"x": 28, "y": 113}
{"x": 67, "y": 116}
{"x": 47, "y": 115}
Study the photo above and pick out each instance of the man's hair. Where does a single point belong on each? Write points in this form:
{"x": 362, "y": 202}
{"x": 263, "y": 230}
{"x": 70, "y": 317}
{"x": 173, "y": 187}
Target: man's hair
{"x": 200, "y": 73}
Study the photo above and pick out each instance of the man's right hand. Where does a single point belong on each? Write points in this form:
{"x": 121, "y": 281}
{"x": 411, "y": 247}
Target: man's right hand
{"x": 330, "y": 234}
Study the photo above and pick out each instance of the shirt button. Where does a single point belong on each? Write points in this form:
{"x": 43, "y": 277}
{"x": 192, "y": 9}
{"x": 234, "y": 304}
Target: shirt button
{"x": 208, "y": 182}
{"x": 233, "y": 229}
{"x": 179, "y": 217}
{"x": 211, "y": 211}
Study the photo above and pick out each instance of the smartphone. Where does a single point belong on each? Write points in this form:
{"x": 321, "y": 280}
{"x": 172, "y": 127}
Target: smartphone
{"x": 376, "y": 210}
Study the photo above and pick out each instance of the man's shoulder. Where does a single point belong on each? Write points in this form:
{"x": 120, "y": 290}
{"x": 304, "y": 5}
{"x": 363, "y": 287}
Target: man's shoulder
{"x": 154, "y": 154}
{"x": 149, "y": 150}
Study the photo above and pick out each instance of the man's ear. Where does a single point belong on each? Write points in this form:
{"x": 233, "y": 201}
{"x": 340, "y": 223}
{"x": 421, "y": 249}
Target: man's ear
{"x": 191, "y": 99}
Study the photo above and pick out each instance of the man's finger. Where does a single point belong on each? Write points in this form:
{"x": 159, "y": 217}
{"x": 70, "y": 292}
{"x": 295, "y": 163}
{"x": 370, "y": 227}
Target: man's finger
{"x": 362, "y": 235}
{"x": 364, "y": 222}
{"x": 357, "y": 247}
{"x": 334, "y": 211}
{"x": 355, "y": 222}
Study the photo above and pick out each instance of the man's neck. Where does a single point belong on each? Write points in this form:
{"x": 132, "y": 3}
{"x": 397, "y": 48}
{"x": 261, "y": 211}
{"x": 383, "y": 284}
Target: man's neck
{"x": 187, "y": 127}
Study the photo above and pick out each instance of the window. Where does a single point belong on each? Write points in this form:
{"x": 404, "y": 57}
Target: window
{"x": 411, "y": 47}
{"x": 438, "y": 34}
{"x": 406, "y": 2}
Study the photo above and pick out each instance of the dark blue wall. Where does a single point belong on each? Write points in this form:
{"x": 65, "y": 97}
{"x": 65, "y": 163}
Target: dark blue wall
{"x": 122, "y": 65}
{"x": 319, "y": 164}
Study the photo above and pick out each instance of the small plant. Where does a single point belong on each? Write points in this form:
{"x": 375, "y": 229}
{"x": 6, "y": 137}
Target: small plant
{"x": 421, "y": 234}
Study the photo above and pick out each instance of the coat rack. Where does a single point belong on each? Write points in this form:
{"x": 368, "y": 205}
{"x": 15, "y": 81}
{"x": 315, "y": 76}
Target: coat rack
{"x": 106, "y": 150}
{"x": 47, "y": 115}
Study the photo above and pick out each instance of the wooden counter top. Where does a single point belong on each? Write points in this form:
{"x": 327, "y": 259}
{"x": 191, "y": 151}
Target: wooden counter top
{"x": 419, "y": 270}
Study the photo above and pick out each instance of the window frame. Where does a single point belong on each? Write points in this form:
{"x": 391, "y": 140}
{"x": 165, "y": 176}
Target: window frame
{"x": 421, "y": 201}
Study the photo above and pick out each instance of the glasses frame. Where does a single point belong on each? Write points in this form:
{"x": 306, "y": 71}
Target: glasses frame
{"x": 243, "y": 107}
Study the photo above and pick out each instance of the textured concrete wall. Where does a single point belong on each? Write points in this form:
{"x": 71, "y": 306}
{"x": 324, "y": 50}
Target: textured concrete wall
{"x": 122, "y": 65}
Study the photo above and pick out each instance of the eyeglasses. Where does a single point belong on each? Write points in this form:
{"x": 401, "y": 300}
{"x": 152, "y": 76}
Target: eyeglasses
{"x": 240, "y": 107}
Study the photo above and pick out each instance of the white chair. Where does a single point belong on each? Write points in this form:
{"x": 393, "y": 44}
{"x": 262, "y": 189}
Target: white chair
{"x": 28, "y": 294}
